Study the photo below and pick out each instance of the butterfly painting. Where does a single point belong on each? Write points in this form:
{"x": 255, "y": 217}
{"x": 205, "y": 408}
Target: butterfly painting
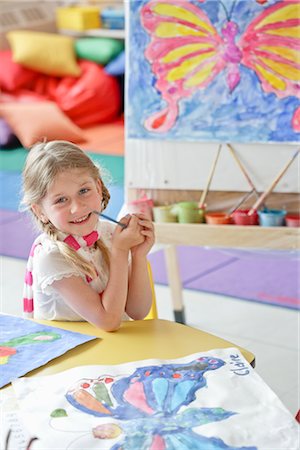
{"x": 144, "y": 407}
{"x": 211, "y": 400}
{"x": 214, "y": 70}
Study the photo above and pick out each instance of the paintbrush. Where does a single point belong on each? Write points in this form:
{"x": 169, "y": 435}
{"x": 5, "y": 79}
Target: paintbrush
{"x": 241, "y": 201}
{"x": 273, "y": 184}
{"x": 246, "y": 175}
{"x": 242, "y": 168}
{"x": 123, "y": 225}
{"x": 204, "y": 193}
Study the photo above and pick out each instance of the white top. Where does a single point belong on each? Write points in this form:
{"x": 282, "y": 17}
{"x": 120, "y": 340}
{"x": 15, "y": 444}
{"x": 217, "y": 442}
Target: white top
{"x": 50, "y": 265}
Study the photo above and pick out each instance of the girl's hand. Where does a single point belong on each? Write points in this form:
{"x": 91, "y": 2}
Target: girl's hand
{"x": 126, "y": 238}
{"x": 143, "y": 248}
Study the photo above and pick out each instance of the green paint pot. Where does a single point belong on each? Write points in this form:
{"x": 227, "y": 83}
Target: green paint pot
{"x": 163, "y": 214}
{"x": 188, "y": 212}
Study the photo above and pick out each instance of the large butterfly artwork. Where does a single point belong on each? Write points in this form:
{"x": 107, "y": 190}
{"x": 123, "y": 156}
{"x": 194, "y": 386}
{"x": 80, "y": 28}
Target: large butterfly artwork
{"x": 152, "y": 408}
{"x": 223, "y": 65}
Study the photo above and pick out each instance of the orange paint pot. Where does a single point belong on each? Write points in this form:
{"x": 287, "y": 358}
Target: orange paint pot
{"x": 292, "y": 220}
{"x": 217, "y": 218}
{"x": 240, "y": 217}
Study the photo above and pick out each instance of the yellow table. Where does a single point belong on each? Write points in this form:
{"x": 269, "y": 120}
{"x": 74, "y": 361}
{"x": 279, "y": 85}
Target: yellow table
{"x": 135, "y": 340}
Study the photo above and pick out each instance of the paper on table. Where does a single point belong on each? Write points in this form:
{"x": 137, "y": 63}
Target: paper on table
{"x": 11, "y": 420}
{"x": 211, "y": 400}
{"x": 26, "y": 345}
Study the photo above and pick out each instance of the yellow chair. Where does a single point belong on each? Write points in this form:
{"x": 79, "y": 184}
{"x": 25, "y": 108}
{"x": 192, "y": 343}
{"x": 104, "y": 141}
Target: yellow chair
{"x": 153, "y": 311}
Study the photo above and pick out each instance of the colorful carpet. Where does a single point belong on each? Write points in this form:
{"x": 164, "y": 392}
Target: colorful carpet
{"x": 13, "y": 160}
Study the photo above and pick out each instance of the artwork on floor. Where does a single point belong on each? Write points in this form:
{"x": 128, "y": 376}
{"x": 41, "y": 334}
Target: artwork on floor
{"x": 214, "y": 70}
{"x": 211, "y": 400}
{"x": 26, "y": 345}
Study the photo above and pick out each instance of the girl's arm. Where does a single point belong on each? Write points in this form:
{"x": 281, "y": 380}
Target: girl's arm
{"x": 105, "y": 311}
{"x": 139, "y": 291}
{"x": 139, "y": 298}
{"x": 102, "y": 310}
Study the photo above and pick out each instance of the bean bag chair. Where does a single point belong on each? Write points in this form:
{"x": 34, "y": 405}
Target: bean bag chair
{"x": 92, "y": 98}
{"x": 35, "y": 121}
{"x": 98, "y": 49}
{"x": 13, "y": 75}
{"x": 117, "y": 66}
{"x": 48, "y": 53}
{"x": 45, "y": 86}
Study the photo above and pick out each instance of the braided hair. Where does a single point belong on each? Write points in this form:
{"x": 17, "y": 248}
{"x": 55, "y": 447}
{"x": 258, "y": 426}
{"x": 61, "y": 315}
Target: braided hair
{"x": 44, "y": 162}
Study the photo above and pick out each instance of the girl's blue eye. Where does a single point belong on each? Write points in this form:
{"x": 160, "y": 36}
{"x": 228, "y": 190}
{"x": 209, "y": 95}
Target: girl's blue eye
{"x": 61, "y": 200}
{"x": 83, "y": 190}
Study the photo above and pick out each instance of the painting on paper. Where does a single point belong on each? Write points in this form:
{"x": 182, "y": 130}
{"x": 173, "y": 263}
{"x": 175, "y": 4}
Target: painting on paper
{"x": 211, "y": 400}
{"x": 214, "y": 70}
{"x": 26, "y": 345}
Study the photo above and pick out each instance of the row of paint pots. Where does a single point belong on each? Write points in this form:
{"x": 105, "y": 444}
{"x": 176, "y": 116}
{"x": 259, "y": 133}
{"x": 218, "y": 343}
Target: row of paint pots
{"x": 189, "y": 212}
{"x": 264, "y": 218}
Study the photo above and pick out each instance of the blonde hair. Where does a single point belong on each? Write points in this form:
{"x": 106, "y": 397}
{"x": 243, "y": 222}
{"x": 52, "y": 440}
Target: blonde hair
{"x": 44, "y": 162}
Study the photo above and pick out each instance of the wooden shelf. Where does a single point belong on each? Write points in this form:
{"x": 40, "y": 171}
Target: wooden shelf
{"x": 228, "y": 236}
{"x": 97, "y": 32}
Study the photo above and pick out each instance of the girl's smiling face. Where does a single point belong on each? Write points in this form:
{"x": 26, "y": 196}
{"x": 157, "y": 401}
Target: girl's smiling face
{"x": 69, "y": 202}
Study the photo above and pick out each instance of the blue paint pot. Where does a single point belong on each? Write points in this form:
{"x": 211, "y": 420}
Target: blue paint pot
{"x": 272, "y": 217}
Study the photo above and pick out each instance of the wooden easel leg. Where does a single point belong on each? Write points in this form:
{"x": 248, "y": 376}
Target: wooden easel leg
{"x": 175, "y": 283}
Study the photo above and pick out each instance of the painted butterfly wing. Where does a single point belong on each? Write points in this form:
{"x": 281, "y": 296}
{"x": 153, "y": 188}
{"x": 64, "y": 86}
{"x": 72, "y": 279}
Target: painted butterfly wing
{"x": 188, "y": 440}
{"x": 161, "y": 390}
{"x": 271, "y": 47}
{"x": 184, "y": 54}
{"x": 173, "y": 438}
{"x": 141, "y": 441}
{"x": 149, "y": 391}
{"x": 172, "y": 432}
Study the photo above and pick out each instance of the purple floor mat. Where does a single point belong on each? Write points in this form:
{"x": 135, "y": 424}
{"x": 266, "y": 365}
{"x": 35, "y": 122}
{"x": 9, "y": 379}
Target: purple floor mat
{"x": 17, "y": 234}
{"x": 267, "y": 278}
{"x": 192, "y": 261}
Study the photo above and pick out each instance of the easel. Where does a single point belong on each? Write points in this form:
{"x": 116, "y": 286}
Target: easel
{"x": 219, "y": 236}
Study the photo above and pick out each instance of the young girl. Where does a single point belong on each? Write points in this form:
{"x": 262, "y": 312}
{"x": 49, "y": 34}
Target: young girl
{"x": 81, "y": 268}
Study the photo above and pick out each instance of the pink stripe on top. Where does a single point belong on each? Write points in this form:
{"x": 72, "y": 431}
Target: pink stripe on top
{"x": 91, "y": 238}
{"x": 28, "y": 305}
{"x": 71, "y": 241}
{"x": 28, "y": 277}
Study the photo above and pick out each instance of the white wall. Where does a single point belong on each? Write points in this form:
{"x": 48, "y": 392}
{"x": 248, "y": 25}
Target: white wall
{"x": 186, "y": 165}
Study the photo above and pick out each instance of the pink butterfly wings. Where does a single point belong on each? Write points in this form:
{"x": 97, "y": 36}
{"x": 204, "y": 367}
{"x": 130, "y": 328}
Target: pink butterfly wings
{"x": 271, "y": 47}
{"x": 183, "y": 53}
{"x": 186, "y": 52}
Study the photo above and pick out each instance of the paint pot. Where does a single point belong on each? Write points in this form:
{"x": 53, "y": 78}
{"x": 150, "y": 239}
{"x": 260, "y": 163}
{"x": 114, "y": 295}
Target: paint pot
{"x": 218, "y": 218}
{"x": 163, "y": 214}
{"x": 241, "y": 217}
{"x": 142, "y": 205}
{"x": 188, "y": 212}
{"x": 272, "y": 217}
{"x": 292, "y": 220}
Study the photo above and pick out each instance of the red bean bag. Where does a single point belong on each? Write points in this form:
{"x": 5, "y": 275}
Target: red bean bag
{"x": 92, "y": 98}
{"x": 45, "y": 86}
{"x": 13, "y": 75}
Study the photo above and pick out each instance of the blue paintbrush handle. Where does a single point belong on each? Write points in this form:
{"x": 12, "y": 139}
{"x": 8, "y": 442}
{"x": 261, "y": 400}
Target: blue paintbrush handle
{"x": 110, "y": 218}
